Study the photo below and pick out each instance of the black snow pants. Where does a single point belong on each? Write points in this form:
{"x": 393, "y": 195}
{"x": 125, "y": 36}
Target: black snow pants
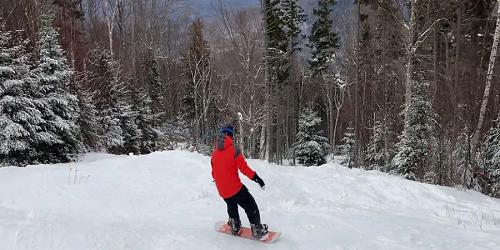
{"x": 244, "y": 199}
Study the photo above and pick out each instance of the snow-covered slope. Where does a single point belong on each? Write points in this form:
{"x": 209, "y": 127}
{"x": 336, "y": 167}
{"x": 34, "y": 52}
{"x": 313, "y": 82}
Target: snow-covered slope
{"x": 167, "y": 201}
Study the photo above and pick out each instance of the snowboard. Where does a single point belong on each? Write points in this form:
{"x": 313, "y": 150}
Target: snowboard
{"x": 223, "y": 227}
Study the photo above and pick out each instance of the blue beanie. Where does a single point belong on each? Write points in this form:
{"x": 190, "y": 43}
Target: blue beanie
{"x": 227, "y": 130}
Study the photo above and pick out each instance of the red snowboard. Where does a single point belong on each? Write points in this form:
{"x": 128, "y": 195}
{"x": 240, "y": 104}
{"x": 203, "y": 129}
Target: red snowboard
{"x": 246, "y": 232}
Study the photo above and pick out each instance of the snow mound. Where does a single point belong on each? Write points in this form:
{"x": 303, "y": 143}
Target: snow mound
{"x": 167, "y": 200}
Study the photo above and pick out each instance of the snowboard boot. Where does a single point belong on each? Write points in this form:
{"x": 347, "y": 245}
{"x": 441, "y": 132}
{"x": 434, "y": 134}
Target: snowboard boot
{"x": 258, "y": 230}
{"x": 235, "y": 226}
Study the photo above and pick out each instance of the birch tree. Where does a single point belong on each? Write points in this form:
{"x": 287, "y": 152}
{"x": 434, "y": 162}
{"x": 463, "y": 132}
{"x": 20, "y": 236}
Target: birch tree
{"x": 489, "y": 78}
{"x": 110, "y": 10}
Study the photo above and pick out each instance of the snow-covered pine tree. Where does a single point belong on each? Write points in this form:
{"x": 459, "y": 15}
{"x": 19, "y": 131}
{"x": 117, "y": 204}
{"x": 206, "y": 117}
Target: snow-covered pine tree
{"x": 464, "y": 161}
{"x": 414, "y": 147}
{"x": 20, "y": 119}
{"x": 121, "y": 110}
{"x": 277, "y": 41}
{"x": 377, "y": 153}
{"x": 311, "y": 147}
{"x": 490, "y": 157}
{"x": 197, "y": 72}
{"x": 60, "y": 111}
{"x": 114, "y": 99}
{"x": 112, "y": 131}
{"x": 132, "y": 134}
{"x": 88, "y": 121}
{"x": 282, "y": 20}
{"x": 323, "y": 39}
{"x": 436, "y": 171}
{"x": 145, "y": 120}
{"x": 293, "y": 16}
{"x": 175, "y": 131}
{"x": 155, "y": 87}
{"x": 105, "y": 78}
{"x": 347, "y": 147}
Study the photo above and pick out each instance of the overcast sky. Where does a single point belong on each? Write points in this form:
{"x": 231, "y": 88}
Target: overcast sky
{"x": 205, "y": 8}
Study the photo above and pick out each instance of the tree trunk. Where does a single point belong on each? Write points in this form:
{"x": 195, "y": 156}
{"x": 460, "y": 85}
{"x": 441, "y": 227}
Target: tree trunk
{"x": 266, "y": 151}
{"x": 241, "y": 133}
{"x": 457, "y": 66}
{"x": 335, "y": 132}
{"x": 110, "y": 34}
{"x": 332, "y": 125}
{"x": 262, "y": 144}
{"x": 386, "y": 111}
{"x": 435, "y": 62}
{"x": 489, "y": 78}
{"x": 356, "y": 94}
{"x": 329, "y": 105}
{"x": 411, "y": 49}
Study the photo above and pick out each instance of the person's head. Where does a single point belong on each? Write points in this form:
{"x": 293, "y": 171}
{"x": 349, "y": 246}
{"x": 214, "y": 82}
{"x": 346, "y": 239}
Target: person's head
{"x": 227, "y": 130}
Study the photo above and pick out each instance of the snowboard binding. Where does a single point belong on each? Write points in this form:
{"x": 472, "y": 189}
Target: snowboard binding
{"x": 235, "y": 226}
{"x": 259, "y": 230}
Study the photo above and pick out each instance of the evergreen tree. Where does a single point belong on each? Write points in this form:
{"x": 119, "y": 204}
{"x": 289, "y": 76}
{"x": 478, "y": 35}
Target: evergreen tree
{"x": 145, "y": 122}
{"x": 20, "y": 118}
{"x": 283, "y": 20}
{"x": 155, "y": 87}
{"x": 277, "y": 43}
{"x": 121, "y": 114}
{"x": 112, "y": 130}
{"x": 415, "y": 143}
{"x": 196, "y": 70}
{"x": 282, "y": 25}
{"x": 293, "y": 16}
{"x": 464, "y": 160}
{"x": 377, "y": 153}
{"x": 275, "y": 30}
{"x": 490, "y": 156}
{"x": 132, "y": 134}
{"x": 107, "y": 79}
{"x": 88, "y": 121}
{"x": 175, "y": 131}
{"x": 323, "y": 40}
{"x": 199, "y": 101}
{"x": 311, "y": 148}
{"x": 60, "y": 110}
{"x": 347, "y": 147}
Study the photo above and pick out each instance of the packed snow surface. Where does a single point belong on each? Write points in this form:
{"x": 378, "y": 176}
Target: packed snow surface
{"x": 167, "y": 200}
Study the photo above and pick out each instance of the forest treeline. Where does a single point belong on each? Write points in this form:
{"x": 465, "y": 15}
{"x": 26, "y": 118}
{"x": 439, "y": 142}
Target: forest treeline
{"x": 404, "y": 87}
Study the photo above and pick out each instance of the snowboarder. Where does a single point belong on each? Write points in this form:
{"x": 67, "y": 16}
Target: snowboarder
{"x": 226, "y": 160}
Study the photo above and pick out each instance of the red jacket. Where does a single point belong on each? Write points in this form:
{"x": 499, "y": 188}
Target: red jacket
{"x": 226, "y": 160}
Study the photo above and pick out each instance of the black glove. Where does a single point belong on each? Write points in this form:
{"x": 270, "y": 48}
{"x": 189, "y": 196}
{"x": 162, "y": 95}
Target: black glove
{"x": 257, "y": 179}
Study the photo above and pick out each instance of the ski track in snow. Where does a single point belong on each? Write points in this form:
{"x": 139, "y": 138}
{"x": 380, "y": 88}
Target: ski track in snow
{"x": 167, "y": 200}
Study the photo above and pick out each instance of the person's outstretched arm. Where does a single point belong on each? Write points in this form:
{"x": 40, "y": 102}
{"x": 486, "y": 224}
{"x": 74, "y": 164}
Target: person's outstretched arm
{"x": 246, "y": 170}
{"x": 242, "y": 165}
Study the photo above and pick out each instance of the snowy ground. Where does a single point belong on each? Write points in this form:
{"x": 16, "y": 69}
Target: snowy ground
{"x": 167, "y": 201}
